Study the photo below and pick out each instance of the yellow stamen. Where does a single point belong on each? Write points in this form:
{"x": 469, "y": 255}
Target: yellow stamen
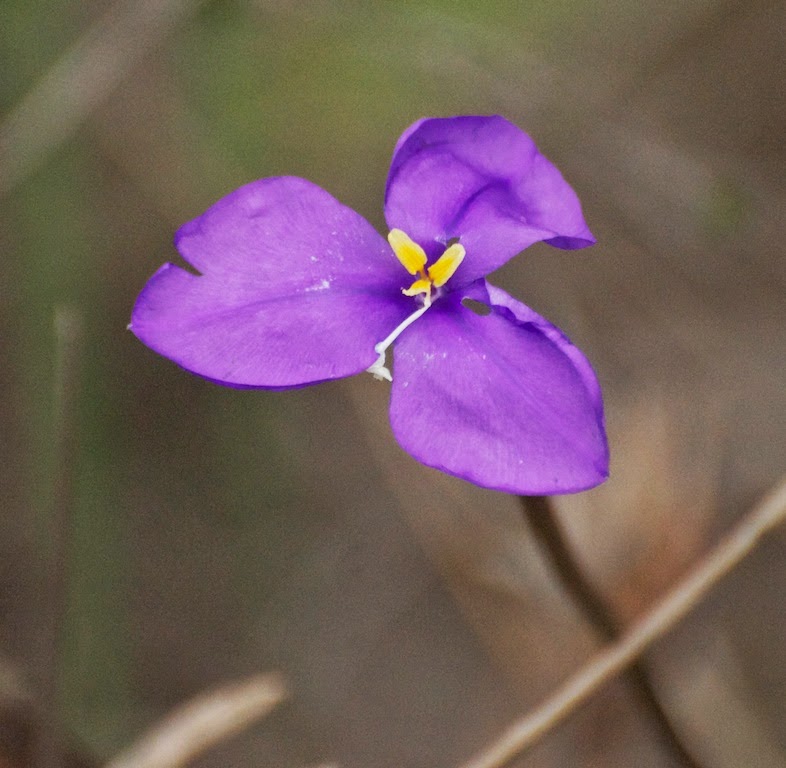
{"x": 413, "y": 257}
{"x": 446, "y": 265}
{"x": 409, "y": 253}
{"x": 419, "y": 286}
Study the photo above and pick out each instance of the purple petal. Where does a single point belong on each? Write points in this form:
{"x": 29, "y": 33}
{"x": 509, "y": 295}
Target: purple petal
{"x": 504, "y": 400}
{"x": 480, "y": 179}
{"x": 295, "y": 288}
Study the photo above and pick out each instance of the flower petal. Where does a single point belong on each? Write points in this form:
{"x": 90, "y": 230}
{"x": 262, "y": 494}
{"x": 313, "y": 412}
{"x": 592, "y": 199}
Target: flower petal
{"x": 295, "y": 288}
{"x": 503, "y": 400}
{"x": 480, "y": 179}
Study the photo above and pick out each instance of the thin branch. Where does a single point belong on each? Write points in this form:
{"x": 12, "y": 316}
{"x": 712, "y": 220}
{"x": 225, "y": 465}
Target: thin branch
{"x": 545, "y": 525}
{"x": 542, "y": 519}
{"x": 48, "y": 747}
{"x": 80, "y": 80}
{"x": 677, "y": 604}
{"x": 203, "y": 723}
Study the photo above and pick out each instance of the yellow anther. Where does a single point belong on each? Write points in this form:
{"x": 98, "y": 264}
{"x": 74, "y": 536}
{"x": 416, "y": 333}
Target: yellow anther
{"x": 419, "y": 286}
{"x": 446, "y": 265}
{"x": 409, "y": 253}
{"x": 413, "y": 257}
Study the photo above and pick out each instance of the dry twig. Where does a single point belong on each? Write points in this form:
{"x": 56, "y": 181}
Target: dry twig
{"x": 545, "y": 525}
{"x": 735, "y": 546}
{"x": 204, "y": 722}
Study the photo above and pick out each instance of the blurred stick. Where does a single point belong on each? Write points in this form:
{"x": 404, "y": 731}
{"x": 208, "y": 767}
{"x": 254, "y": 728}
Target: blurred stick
{"x": 80, "y": 80}
{"x": 48, "y": 747}
{"x": 734, "y": 547}
{"x": 545, "y": 525}
{"x": 204, "y": 722}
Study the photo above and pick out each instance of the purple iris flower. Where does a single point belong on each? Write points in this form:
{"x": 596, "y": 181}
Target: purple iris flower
{"x": 294, "y": 288}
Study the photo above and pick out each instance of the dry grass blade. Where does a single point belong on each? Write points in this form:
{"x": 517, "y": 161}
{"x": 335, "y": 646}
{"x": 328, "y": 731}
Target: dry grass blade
{"x": 68, "y": 344}
{"x": 83, "y": 77}
{"x": 204, "y": 722}
{"x": 653, "y": 625}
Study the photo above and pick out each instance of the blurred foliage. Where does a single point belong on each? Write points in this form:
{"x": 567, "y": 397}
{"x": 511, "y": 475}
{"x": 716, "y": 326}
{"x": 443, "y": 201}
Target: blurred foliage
{"x": 222, "y": 531}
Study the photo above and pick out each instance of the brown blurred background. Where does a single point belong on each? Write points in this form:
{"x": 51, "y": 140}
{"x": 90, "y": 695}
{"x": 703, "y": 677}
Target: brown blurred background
{"x": 218, "y": 533}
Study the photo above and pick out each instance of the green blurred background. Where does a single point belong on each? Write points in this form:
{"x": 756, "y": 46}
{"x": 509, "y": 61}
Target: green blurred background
{"x": 217, "y": 533}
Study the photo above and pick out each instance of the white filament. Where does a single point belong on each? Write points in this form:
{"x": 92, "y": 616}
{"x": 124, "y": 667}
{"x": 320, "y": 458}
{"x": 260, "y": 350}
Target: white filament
{"x": 379, "y": 370}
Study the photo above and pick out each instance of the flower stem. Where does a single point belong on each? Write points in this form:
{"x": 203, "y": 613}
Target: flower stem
{"x": 659, "y": 620}
{"x": 545, "y": 525}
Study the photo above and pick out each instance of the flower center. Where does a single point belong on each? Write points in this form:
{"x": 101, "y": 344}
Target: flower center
{"x": 414, "y": 259}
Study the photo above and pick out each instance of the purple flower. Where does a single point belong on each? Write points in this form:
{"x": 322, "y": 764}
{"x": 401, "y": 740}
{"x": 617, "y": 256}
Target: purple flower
{"x": 294, "y": 288}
